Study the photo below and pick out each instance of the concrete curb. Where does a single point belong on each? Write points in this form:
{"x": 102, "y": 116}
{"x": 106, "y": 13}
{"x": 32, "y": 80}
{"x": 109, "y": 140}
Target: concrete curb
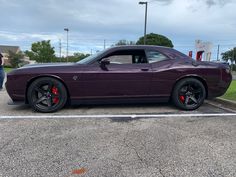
{"x": 223, "y": 103}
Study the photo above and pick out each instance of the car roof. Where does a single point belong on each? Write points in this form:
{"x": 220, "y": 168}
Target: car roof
{"x": 140, "y": 47}
{"x": 170, "y": 52}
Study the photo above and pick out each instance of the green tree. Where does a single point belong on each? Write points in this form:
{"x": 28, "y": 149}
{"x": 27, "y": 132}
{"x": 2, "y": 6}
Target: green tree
{"x": 124, "y": 42}
{"x": 76, "y": 57}
{"x": 229, "y": 55}
{"x": 15, "y": 59}
{"x": 42, "y": 52}
{"x": 79, "y": 56}
{"x": 155, "y": 39}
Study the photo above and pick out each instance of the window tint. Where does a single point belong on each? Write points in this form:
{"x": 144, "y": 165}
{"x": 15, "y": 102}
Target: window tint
{"x": 154, "y": 56}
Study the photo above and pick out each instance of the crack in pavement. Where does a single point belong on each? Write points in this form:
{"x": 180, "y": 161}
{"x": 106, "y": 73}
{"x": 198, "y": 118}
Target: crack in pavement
{"x": 128, "y": 144}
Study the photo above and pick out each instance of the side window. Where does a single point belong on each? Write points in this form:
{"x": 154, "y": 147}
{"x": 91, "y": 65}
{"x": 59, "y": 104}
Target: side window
{"x": 155, "y": 56}
{"x": 120, "y": 59}
{"x": 127, "y": 57}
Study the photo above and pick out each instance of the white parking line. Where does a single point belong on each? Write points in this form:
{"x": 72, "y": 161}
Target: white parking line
{"x": 118, "y": 116}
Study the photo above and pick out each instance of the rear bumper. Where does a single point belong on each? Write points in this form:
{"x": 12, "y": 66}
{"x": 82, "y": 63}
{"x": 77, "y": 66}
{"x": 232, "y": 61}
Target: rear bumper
{"x": 221, "y": 87}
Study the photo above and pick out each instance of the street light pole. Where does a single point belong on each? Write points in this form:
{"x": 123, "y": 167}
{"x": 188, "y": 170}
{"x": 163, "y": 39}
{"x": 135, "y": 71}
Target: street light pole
{"x": 145, "y": 24}
{"x": 104, "y": 44}
{"x": 67, "y": 48}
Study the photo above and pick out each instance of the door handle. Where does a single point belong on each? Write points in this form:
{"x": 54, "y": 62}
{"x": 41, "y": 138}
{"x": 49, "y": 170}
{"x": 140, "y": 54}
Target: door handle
{"x": 144, "y": 69}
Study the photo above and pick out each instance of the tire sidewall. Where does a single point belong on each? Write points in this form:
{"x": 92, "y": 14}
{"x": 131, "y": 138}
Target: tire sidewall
{"x": 179, "y": 85}
{"x": 55, "y": 82}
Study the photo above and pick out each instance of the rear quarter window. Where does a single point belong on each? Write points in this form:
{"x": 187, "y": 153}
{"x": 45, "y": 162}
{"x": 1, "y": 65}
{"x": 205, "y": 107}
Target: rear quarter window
{"x": 155, "y": 56}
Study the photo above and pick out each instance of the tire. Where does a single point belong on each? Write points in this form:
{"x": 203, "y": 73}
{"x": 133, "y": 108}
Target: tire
{"x": 189, "y": 94}
{"x": 47, "y": 95}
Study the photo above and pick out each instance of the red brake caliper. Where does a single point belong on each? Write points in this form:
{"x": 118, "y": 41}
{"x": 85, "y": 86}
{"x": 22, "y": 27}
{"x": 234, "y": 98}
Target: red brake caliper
{"x": 55, "y": 92}
{"x": 182, "y": 98}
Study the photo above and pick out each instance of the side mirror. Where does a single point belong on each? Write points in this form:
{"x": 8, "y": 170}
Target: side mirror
{"x": 103, "y": 63}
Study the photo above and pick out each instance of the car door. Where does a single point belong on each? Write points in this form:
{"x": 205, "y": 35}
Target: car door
{"x": 162, "y": 78}
{"x": 127, "y": 75}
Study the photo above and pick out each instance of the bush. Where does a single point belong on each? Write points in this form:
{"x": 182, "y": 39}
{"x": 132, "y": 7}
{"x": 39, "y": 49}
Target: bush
{"x": 233, "y": 66}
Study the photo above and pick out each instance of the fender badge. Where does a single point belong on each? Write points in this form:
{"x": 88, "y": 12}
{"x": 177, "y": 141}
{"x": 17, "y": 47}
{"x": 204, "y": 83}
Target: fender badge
{"x": 75, "y": 78}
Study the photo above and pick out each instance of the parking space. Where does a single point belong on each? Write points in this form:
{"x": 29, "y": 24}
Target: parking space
{"x": 147, "y": 109}
{"x": 173, "y": 145}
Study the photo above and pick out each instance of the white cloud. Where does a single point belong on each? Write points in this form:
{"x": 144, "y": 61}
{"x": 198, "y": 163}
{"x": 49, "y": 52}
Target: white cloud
{"x": 92, "y": 21}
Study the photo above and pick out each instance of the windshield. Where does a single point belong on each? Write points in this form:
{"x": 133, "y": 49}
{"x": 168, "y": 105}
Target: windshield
{"x": 90, "y": 58}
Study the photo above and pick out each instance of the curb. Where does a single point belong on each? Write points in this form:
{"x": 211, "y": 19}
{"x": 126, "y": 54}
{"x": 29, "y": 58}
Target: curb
{"x": 221, "y": 102}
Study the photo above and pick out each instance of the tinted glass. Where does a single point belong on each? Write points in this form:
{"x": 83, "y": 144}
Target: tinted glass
{"x": 127, "y": 57}
{"x": 155, "y": 56}
{"x": 121, "y": 59}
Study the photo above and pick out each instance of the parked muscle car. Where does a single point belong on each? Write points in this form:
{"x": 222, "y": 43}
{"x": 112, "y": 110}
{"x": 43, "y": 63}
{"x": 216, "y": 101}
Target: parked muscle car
{"x": 120, "y": 74}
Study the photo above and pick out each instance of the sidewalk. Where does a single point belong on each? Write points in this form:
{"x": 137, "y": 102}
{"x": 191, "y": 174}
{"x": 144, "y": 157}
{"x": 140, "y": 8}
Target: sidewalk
{"x": 234, "y": 76}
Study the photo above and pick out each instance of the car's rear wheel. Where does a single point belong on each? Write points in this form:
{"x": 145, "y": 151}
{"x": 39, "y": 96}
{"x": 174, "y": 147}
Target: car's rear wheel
{"x": 47, "y": 95}
{"x": 189, "y": 94}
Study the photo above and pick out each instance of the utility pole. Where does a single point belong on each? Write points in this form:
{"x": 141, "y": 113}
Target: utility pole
{"x": 67, "y": 48}
{"x": 218, "y": 52}
{"x": 104, "y": 43}
{"x": 145, "y": 24}
{"x": 60, "y": 48}
{"x": 233, "y": 54}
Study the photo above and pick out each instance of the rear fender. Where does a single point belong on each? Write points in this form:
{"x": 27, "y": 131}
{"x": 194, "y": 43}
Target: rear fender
{"x": 192, "y": 76}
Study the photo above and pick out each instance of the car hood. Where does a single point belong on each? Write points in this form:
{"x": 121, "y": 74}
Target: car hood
{"x": 43, "y": 67}
{"x": 46, "y": 65}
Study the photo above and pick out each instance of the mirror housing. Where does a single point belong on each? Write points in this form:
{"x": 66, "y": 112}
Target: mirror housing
{"x": 103, "y": 63}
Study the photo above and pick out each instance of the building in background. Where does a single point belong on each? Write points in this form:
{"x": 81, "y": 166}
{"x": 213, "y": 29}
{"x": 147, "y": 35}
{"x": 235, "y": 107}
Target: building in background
{"x": 5, "y": 49}
{"x": 203, "y": 50}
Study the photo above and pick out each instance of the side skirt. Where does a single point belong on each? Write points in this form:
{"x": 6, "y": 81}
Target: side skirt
{"x": 119, "y": 101}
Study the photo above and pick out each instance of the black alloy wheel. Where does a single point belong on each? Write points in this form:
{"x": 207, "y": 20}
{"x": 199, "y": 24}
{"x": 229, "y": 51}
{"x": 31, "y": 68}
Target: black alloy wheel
{"x": 189, "y": 94}
{"x": 47, "y": 95}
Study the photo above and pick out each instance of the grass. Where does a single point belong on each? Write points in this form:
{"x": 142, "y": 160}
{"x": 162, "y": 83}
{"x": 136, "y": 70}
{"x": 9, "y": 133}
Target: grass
{"x": 7, "y": 70}
{"x": 231, "y": 92}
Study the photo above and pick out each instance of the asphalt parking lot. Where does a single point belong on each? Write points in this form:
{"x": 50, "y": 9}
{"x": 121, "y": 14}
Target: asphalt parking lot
{"x": 118, "y": 140}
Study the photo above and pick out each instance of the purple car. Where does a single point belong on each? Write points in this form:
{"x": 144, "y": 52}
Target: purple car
{"x": 123, "y": 74}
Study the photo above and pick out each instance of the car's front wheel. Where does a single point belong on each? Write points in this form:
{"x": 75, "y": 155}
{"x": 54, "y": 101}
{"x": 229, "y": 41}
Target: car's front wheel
{"x": 189, "y": 94}
{"x": 47, "y": 95}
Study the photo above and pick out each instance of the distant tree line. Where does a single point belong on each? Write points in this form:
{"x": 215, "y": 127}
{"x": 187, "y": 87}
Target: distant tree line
{"x": 230, "y": 56}
{"x": 15, "y": 59}
{"x": 43, "y": 52}
{"x": 151, "y": 39}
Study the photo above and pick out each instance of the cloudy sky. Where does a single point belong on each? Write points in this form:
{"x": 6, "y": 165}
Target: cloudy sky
{"x": 91, "y": 21}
